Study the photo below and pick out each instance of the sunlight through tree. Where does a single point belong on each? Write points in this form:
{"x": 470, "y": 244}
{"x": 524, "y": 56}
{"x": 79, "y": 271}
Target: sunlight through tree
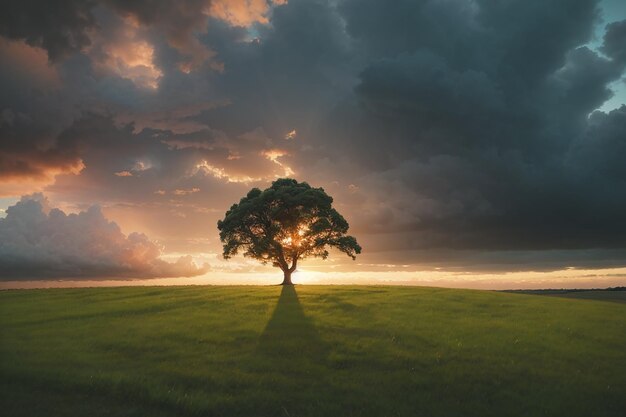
{"x": 285, "y": 223}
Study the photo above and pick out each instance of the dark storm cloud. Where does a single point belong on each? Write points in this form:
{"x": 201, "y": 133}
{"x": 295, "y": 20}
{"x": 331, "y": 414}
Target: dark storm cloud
{"x": 288, "y": 77}
{"x": 155, "y": 159}
{"x": 33, "y": 109}
{"x": 615, "y": 41}
{"x": 60, "y": 27}
{"x": 67, "y": 26}
{"x": 482, "y": 148}
{"x": 174, "y": 186}
{"x": 40, "y": 100}
{"x": 444, "y": 125}
{"x": 21, "y": 160}
{"x": 179, "y": 18}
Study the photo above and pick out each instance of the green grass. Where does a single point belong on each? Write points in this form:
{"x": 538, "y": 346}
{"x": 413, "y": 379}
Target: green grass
{"x": 325, "y": 351}
{"x": 603, "y": 295}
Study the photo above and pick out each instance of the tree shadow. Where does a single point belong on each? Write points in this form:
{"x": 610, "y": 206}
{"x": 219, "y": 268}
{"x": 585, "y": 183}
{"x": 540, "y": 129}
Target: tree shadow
{"x": 290, "y": 361}
{"x": 289, "y": 334}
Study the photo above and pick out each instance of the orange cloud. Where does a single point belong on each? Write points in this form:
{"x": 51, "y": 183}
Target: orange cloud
{"x": 273, "y": 155}
{"x": 220, "y": 173}
{"x": 133, "y": 61}
{"x": 236, "y": 173}
{"x": 36, "y": 179}
{"x": 185, "y": 192}
{"x": 30, "y": 61}
{"x": 180, "y": 22}
{"x": 291, "y": 135}
{"x": 243, "y": 12}
{"x": 126, "y": 54}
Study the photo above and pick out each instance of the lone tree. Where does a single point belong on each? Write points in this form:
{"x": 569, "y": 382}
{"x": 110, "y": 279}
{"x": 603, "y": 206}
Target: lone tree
{"x": 286, "y": 222}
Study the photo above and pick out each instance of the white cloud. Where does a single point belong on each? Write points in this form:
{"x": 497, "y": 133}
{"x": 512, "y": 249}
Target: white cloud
{"x": 39, "y": 242}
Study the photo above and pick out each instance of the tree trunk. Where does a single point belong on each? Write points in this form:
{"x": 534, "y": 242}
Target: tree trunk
{"x": 287, "y": 279}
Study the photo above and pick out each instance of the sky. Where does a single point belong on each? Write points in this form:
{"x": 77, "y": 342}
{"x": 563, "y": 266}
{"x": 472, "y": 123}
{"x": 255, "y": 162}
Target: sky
{"x": 469, "y": 143}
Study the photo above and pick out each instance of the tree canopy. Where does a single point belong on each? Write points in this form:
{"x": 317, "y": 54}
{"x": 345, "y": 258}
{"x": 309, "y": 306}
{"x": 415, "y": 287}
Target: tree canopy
{"x": 285, "y": 223}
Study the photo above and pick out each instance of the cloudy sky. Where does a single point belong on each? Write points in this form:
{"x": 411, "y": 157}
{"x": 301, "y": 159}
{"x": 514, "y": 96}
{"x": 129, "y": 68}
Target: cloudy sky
{"x": 469, "y": 143}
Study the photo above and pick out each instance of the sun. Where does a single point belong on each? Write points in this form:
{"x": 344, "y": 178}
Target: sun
{"x": 302, "y": 276}
{"x": 297, "y": 238}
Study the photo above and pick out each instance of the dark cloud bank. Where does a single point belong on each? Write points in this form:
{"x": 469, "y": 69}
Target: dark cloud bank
{"x": 459, "y": 133}
{"x": 42, "y": 243}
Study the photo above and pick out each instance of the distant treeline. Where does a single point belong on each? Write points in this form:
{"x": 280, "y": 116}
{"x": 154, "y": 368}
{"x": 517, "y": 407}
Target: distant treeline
{"x": 566, "y": 290}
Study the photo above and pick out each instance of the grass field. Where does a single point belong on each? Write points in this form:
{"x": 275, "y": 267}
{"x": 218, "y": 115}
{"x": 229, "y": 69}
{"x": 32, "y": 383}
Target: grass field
{"x": 309, "y": 351}
{"x": 603, "y": 295}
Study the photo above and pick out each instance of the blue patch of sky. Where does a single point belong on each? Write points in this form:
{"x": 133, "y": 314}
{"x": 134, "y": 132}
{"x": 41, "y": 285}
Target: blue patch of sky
{"x": 611, "y": 11}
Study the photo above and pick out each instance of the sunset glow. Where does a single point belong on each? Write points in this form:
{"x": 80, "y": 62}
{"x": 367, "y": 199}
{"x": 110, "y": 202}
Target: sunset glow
{"x": 456, "y": 160}
{"x": 313, "y": 208}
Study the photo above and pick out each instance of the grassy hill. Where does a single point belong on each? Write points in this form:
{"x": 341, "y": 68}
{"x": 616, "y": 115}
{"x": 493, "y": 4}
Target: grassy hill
{"x": 604, "y": 295}
{"x": 309, "y": 351}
